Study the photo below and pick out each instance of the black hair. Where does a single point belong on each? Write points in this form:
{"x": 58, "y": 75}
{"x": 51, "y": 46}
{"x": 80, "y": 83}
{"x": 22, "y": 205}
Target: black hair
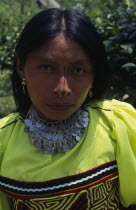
{"x": 48, "y": 24}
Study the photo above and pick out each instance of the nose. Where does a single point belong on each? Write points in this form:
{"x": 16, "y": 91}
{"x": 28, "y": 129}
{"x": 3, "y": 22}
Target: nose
{"x": 62, "y": 88}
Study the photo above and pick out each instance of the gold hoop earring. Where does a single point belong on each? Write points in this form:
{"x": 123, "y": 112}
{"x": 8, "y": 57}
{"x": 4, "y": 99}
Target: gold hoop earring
{"x": 90, "y": 94}
{"x": 23, "y": 85}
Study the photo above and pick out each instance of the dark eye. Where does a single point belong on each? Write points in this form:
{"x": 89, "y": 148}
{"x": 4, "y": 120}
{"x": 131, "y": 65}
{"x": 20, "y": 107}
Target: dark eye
{"x": 46, "y": 67}
{"x": 78, "y": 70}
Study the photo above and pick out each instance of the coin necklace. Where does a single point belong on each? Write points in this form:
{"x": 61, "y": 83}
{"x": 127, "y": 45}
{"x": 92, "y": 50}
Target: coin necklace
{"x": 57, "y": 136}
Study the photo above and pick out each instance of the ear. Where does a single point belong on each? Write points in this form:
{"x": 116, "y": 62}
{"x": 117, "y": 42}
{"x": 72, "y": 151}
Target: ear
{"x": 20, "y": 69}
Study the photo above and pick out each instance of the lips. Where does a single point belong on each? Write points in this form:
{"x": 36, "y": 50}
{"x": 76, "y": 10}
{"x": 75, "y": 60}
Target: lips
{"x": 62, "y": 106}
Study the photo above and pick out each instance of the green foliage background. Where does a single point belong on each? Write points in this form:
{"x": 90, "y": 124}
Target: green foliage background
{"x": 116, "y": 22}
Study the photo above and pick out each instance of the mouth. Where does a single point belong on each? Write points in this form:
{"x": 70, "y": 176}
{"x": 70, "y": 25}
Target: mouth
{"x": 60, "y": 107}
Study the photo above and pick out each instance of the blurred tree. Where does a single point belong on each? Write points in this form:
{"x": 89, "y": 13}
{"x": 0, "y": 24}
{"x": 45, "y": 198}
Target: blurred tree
{"x": 90, "y": 6}
{"x": 22, "y": 6}
{"x": 47, "y": 4}
{"x": 117, "y": 25}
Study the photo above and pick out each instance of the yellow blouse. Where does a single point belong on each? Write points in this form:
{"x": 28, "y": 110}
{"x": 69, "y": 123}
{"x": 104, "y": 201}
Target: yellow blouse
{"x": 88, "y": 172}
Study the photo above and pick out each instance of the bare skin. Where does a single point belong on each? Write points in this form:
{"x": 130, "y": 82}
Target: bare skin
{"x": 58, "y": 77}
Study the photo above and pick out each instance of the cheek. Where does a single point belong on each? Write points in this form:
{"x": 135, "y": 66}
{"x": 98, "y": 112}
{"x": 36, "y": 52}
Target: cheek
{"x": 82, "y": 94}
{"x": 83, "y": 88}
{"x": 37, "y": 88}
{"x": 38, "y": 81}
{"x": 85, "y": 84}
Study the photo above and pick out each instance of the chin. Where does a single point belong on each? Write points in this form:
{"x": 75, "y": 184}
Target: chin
{"x": 56, "y": 113}
{"x": 59, "y": 116}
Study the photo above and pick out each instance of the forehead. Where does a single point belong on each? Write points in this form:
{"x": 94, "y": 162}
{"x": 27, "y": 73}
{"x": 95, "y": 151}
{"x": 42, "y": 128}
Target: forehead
{"x": 61, "y": 47}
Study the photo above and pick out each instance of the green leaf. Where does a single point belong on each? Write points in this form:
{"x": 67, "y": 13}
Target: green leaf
{"x": 127, "y": 65}
{"x": 127, "y": 49}
{"x": 109, "y": 16}
{"x": 110, "y": 28}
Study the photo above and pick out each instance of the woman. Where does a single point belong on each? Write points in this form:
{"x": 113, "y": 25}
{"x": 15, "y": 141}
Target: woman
{"x": 65, "y": 148}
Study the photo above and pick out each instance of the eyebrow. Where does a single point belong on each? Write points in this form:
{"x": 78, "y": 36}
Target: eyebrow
{"x": 80, "y": 61}
{"x": 42, "y": 58}
{"x": 50, "y": 60}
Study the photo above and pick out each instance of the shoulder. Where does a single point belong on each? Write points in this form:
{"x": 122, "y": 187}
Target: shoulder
{"x": 11, "y": 119}
{"x": 9, "y": 125}
{"x": 117, "y": 113}
{"x": 114, "y": 108}
{"x": 111, "y": 105}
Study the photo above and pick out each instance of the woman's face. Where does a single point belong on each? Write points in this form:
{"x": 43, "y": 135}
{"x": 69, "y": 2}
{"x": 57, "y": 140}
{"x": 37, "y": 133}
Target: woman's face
{"x": 58, "y": 77}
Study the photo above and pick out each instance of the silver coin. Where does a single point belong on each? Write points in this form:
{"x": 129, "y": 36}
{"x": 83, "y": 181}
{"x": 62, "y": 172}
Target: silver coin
{"x": 78, "y": 125}
{"x": 85, "y": 114}
{"x": 43, "y": 134}
{"x": 77, "y": 131}
{"x": 55, "y": 137}
{"x": 34, "y": 127}
{"x": 31, "y": 128}
{"x": 78, "y": 138}
{"x": 86, "y": 119}
{"x": 82, "y": 123}
{"x": 48, "y": 136}
{"x": 85, "y": 125}
{"x": 74, "y": 134}
{"x": 60, "y": 137}
{"x": 80, "y": 118}
{"x": 42, "y": 127}
{"x": 28, "y": 122}
{"x": 66, "y": 147}
{"x": 38, "y": 125}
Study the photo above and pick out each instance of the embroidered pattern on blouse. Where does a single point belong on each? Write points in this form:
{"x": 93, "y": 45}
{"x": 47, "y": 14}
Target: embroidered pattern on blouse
{"x": 102, "y": 197}
{"x": 93, "y": 189}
